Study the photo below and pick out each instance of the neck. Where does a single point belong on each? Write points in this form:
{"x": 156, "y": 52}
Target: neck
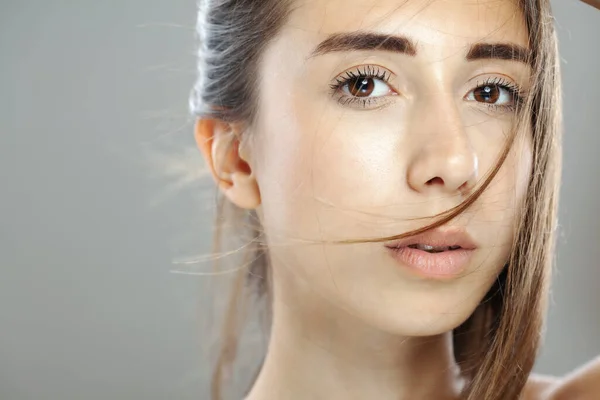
{"x": 317, "y": 350}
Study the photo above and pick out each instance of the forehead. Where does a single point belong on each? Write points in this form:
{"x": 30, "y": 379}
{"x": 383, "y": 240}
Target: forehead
{"x": 454, "y": 23}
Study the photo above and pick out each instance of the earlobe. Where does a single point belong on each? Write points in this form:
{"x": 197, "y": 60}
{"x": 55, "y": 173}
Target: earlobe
{"x": 219, "y": 143}
{"x": 244, "y": 191}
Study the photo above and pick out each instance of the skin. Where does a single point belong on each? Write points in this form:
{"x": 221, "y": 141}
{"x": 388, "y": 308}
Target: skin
{"x": 349, "y": 321}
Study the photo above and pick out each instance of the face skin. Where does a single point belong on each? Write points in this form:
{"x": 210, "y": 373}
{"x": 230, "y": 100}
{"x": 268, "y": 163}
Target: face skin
{"x": 324, "y": 166}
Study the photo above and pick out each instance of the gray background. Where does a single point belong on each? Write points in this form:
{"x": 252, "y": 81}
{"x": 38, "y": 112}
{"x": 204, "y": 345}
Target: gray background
{"x": 92, "y": 93}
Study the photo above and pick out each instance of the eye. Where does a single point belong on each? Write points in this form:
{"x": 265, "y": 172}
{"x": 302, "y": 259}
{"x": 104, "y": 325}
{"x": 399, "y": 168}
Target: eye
{"x": 366, "y": 86}
{"x": 496, "y": 92}
{"x": 491, "y": 94}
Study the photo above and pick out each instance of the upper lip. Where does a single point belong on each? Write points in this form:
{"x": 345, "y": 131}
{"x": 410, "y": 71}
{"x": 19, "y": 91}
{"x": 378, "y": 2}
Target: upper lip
{"x": 437, "y": 238}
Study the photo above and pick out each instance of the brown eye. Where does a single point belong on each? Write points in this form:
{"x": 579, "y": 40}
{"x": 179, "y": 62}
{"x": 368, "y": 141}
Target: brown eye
{"x": 361, "y": 86}
{"x": 487, "y": 94}
{"x": 365, "y": 87}
{"x": 497, "y": 94}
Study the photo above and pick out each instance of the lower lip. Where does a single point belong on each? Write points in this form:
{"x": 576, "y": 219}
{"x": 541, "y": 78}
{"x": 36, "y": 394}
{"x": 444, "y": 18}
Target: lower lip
{"x": 444, "y": 265}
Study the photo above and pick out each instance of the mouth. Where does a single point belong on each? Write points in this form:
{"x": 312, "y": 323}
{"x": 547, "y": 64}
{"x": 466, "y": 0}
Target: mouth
{"x": 433, "y": 249}
{"x": 436, "y": 254}
{"x": 437, "y": 241}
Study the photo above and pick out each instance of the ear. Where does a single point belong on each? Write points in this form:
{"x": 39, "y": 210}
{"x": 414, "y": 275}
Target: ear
{"x": 219, "y": 143}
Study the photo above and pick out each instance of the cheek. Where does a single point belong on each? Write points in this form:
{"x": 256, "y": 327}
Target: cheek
{"x": 503, "y": 198}
{"x": 495, "y": 216}
{"x": 317, "y": 164}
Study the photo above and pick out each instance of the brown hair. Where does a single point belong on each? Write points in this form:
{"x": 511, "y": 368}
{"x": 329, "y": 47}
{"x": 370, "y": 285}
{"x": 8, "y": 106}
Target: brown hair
{"x": 497, "y": 346}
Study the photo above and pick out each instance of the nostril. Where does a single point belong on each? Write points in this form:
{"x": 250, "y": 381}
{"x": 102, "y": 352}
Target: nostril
{"x": 435, "y": 181}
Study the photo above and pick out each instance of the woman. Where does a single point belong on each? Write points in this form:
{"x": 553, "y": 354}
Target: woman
{"x": 396, "y": 164}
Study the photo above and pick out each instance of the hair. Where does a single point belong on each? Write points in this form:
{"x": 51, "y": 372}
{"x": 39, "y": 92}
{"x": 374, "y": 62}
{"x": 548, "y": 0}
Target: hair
{"x": 497, "y": 346}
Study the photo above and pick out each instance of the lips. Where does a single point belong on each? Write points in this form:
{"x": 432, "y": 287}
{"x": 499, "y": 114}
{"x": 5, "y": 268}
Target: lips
{"x": 436, "y": 254}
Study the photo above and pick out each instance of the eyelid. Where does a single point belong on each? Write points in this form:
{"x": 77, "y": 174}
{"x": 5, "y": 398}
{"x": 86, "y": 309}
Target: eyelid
{"x": 360, "y": 70}
{"x": 486, "y": 77}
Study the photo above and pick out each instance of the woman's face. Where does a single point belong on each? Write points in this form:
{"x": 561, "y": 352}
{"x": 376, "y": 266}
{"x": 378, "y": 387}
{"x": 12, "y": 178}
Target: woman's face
{"x": 354, "y": 142}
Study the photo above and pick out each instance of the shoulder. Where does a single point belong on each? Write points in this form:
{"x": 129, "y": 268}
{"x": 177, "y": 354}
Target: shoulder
{"x": 581, "y": 384}
{"x": 538, "y": 387}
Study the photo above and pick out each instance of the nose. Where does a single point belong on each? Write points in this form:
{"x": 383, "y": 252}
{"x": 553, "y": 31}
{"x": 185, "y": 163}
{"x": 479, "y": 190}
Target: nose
{"x": 444, "y": 160}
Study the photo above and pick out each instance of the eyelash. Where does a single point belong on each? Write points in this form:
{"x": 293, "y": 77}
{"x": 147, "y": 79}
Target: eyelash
{"x": 375, "y": 72}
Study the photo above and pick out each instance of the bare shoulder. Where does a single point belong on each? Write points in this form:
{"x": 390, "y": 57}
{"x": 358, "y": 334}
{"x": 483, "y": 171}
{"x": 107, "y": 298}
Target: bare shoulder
{"x": 538, "y": 387}
{"x": 581, "y": 384}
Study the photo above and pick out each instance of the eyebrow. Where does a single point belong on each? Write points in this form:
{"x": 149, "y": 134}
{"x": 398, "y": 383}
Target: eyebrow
{"x": 361, "y": 41}
{"x": 365, "y": 41}
{"x": 499, "y": 51}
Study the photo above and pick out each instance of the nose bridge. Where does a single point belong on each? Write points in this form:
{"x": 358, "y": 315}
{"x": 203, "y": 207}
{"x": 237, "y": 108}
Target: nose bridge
{"x": 444, "y": 158}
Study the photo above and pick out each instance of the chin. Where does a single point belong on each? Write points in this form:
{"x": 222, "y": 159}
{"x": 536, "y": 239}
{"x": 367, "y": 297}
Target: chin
{"x": 423, "y": 325}
{"x": 428, "y": 313}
